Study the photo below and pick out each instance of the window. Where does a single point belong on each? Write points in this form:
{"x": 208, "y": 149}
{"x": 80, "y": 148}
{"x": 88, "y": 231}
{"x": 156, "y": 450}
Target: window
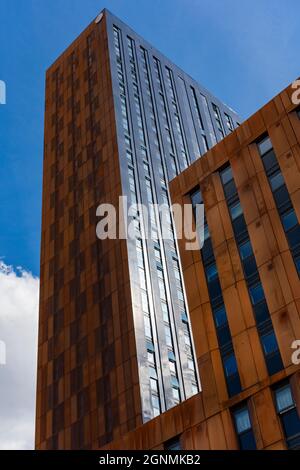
{"x": 276, "y": 180}
{"x": 269, "y": 343}
{"x": 208, "y": 119}
{"x": 211, "y": 273}
{"x": 236, "y": 210}
{"x": 151, "y": 358}
{"x": 165, "y": 311}
{"x": 224, "y": 336}
{"x": 176, "y": 394}
{"x": 153, "y": 385}
{"x": 220, "y": 316}
{"x": 288, "y": 414}
{"x": 245, "y": 250}
{"x": 184, "y": 317}
{"x": 168, "y": 336}
{"x": 148, "y": 331}
{"x": 205, "y": 144}
{"x": 271, "y": 350}
{"x": 218, "y": 120}
{"x": 229, "y": 122}
{"x": 282, "y": 198}
{"x": 265, "y": 145}
{"x": 174, "y": 381}
{"x": 155, "y": 404}
{"x": 256, "y": 294}
{"x": 226, "y": 175}
{"x": 173, "y": 444}
{"x": 289, "y": 220}
{"x": 145, "y": 304}
{"x": 172, "y": 367}
{"x": 230, "y": 365}
{"x": 261, "y": 312}
{"x": 196, "y": 108}
{"x": 244, "y": 429}
{"x": 196, "y": 198}
{"x": 191, "y": 364}
{"x": 187, "y": 339}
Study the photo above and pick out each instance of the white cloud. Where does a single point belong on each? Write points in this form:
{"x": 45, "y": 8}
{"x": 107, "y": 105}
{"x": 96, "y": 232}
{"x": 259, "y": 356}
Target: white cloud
{"x": 19, "y": 294}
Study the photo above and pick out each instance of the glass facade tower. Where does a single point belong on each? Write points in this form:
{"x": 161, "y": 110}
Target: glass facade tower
{"x": 165, "y": 121}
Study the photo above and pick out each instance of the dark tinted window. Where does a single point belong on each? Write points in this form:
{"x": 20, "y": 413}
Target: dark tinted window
{"x": 230, "y": 365}
{"x": 173, "y": 444}
{"x": 288, "y": 414}
{"x": 244, "y": 429}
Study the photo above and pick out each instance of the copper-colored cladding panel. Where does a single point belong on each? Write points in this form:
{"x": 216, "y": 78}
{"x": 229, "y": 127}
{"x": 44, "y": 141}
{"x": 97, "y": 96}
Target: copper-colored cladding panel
{"x": 204, "y": 421}
{"x": 87, "y": 392}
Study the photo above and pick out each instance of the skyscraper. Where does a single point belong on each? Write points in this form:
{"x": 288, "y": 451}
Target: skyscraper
{"x": 115, "y": 343}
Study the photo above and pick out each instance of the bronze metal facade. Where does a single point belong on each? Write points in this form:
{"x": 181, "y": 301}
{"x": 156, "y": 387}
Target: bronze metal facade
{"x": 88, "y": 388}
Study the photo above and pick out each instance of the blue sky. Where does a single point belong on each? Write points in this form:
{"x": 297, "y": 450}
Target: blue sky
{"x": 244, "y": 52}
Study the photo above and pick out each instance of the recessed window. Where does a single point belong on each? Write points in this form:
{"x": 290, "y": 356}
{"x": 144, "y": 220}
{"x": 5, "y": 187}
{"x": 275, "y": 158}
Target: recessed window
{"x": 256, "y": 294}
{"x": 230, "y": 365}
{"x": 288, "y": 414}
{"x": 191, "y": 364}
{"x": 165, "y": 311}
{"x": 289, "y": 220}
{"x": 211, "y": 273}
{"x": 244, "y": 429}
{"x": 148, "y": 330}
{"x": 269, "y": 343}
{"x": 172, "y": 367}
{"x": 220, "y": 316}
{"x": 154, "y": 385}
{"x": 168, "y": 336}
{"x": 150, "y": 357}
{"x": 224, "y": 335}
{"x": 261, "y": 312}
{"x": 276, "y": 181}
{"x": 229, "y": 122}
{"x": 218, "y": 120}
{"x": 236, "y": 210}
{"x": 226, "y": 175}
{"x": 176, "y": 394}
{"x": 205, "y": 144}
{"x": 187, "y": 339}
{"x": 155, "y": 404}
{"x": 245, "y": 250}
{"x": 265, "y": 145}
{"x": 196, "y": 198}
{"x": 173, "y": 444}
{"x": 174, "y": 381}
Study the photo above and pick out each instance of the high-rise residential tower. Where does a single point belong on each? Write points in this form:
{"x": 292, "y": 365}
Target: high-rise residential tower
{"x": 115, "y": 343}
